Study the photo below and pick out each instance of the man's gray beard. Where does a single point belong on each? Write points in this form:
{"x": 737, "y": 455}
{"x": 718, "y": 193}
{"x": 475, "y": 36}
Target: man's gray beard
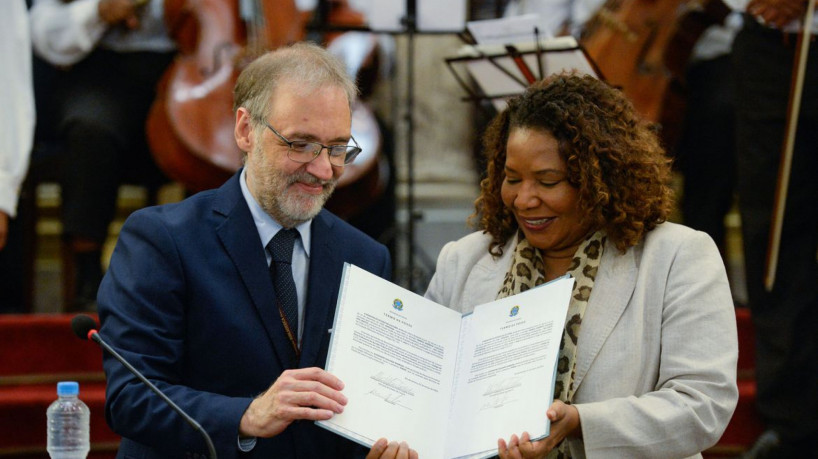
{"x": 292, "y": 208}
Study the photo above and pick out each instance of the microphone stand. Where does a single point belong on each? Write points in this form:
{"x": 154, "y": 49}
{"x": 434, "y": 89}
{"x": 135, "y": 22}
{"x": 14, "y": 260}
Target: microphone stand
{"x": 93, "y": 335}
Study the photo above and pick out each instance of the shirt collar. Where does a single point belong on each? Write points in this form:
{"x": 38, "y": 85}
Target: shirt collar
{"x": 265, "y": 224}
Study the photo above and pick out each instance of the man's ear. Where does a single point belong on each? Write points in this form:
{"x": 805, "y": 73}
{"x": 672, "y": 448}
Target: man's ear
{"x": 243, "y": 130}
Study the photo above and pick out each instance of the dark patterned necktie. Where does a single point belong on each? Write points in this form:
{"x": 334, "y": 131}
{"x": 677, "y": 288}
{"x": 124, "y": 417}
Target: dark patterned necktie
{"x": 281, "y": 272}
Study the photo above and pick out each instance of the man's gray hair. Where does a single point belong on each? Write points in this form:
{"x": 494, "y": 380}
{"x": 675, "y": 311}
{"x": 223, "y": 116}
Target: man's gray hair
{"x": 305, "y": 63}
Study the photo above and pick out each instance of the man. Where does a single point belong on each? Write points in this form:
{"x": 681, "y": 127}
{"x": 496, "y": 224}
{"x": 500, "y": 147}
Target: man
{"x": 189, "y": 300}
{"x": 784, "y": 318}
{"x": 111, "y": 54}
{"x": 16, "y": 135}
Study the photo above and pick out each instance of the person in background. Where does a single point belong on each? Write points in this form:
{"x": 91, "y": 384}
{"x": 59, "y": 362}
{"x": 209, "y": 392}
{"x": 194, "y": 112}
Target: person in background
{"x": 706, "y": 151}
{"x": 17, "y": 119}
{"x": 785, "y": 319}
{"x": 112, "y": 54}
{"x": 201, "y": 298}
{"x": 577, "y": 184}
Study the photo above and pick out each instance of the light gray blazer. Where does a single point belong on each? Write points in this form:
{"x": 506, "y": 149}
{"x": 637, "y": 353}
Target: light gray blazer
{"x": 657, "y": 350}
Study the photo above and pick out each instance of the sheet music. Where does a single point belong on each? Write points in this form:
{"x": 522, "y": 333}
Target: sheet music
{"x": 515, "y": 29}
{"x": 499, "y": 78}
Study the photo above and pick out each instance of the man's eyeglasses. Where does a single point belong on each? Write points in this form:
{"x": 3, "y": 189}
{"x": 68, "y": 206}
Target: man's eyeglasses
{"x": 302, "y": 151}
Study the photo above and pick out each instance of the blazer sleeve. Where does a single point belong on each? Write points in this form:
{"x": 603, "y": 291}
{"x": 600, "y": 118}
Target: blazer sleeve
{"x": 142, "y": 312}
{"x": 695, "y": 392}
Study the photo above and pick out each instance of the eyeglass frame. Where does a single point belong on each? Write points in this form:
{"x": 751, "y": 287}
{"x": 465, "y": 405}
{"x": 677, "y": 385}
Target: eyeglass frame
{"x": 348, "y": 157}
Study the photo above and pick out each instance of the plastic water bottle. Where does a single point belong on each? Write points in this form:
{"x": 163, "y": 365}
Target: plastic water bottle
{"x": 68, "y": 424}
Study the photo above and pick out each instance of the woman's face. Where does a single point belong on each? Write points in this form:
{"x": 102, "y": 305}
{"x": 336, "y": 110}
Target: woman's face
{"x": 537, "y": 192}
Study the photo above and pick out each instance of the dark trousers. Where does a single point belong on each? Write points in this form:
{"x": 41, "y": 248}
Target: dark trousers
{"x": 785, "y": 319}
{"x": 100, "y": 108}
{"x": 706, "y": 150}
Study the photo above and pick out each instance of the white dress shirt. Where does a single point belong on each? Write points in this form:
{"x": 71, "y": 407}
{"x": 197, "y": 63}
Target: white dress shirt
{"x": 64, "y": 33}
{"x": 17, "y": 102}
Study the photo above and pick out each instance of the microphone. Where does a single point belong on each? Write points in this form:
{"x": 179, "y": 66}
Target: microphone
{"x": 85, "y": 328}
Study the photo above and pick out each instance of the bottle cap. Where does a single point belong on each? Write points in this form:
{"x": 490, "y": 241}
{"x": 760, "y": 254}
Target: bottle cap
{"x": 68, "y": 388}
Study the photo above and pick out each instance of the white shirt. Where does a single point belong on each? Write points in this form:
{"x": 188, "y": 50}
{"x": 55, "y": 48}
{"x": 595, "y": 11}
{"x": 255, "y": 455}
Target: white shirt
{"x": 717, "y": 40}
{"x": 64, "y": 33}
{"x": 267, "y": 228}
{"x": 17, "y": 102}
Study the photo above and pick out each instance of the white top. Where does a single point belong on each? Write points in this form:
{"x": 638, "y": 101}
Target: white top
{"x": 17, "y": 101}
{"x": 64, "y": 33}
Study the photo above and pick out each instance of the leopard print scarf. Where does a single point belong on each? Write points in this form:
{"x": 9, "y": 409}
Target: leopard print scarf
{"x": 526, "y": 271}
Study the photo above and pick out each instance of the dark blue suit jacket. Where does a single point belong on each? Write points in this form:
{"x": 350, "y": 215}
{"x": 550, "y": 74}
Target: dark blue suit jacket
{"x": 188, "y": 300}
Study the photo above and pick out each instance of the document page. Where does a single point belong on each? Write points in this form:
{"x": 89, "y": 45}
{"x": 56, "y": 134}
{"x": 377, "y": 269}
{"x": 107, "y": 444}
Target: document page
{"x": 447, "y": 384}
{"x": 504, "y": 382}
{"x": 395, "y": 352}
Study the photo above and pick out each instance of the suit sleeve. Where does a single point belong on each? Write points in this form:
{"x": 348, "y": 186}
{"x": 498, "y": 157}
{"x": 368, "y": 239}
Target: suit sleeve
{"x": 144, "y": 318}
{"x": 695, "y": 392}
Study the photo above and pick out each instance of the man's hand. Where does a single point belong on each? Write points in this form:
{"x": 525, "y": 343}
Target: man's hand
{"x": 306, "y": 393}
{"x": 564, "y": 422}
{"x": 383, "y": 449}
{"x": 777, "y": 13}
{"x": 4, "y": 228}
{"x": 119, "y": 11}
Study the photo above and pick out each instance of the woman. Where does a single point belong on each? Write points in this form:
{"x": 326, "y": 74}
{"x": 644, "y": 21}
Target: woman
{"x": 578, "y": 184}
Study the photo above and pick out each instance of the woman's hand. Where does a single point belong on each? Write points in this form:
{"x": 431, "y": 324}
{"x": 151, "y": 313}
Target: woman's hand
{"x": 383, "y": 449}
{"x": 564, "y": 422}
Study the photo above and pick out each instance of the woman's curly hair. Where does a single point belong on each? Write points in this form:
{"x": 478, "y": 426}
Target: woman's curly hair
{"x": 613, "y": 157}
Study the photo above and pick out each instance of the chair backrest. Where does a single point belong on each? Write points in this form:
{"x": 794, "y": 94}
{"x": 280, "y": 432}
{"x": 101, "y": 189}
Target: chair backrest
{"x": 42, "y": 348}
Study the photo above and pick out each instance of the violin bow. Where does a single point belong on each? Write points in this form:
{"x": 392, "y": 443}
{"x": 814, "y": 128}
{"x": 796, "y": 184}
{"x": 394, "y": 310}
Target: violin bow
{"x": 785, "y": 164}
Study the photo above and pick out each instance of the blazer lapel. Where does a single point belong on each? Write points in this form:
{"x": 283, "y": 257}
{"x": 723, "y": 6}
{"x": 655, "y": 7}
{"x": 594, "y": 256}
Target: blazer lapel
{"x": 612, "y": 292}
{"x": 326, "y": 267}
{"x": 240, "y": 238}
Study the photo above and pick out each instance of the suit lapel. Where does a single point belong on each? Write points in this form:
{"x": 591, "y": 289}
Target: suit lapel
{"x": 612, "y": 292}
{"x": 326, "y": 267}
{"x": 240, "y": 238}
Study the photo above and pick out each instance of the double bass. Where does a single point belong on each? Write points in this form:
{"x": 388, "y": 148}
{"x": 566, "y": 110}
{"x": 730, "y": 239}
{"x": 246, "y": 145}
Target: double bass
{"x": 190, "y": 125}
{"x": 642, "y": 47}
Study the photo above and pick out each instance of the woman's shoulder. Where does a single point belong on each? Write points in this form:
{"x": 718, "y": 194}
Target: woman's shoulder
{"x": 674, "y": 233}
{"x": 674, "y": 240}
{"x": 468, "y": 249}
{"x": 466, "y": 273}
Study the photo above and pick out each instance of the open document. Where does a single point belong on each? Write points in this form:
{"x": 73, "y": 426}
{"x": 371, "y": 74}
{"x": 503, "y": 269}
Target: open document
{"x": 448, "y": 384}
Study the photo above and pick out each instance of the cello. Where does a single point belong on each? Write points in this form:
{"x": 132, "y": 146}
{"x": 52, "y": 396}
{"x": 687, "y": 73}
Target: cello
{"x": 642, "y": 47}
{"x": 190, "y": 125}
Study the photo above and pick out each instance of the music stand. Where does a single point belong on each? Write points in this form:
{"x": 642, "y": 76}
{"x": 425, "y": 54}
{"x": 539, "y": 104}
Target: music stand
{"x": 410, "y": 22}
{"x": 499, "y": 72}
